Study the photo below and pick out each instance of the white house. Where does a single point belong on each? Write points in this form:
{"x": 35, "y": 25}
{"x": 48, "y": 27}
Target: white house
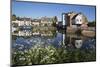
{"x": 35, "y": 23}
{"x": 73, "y": 19}
{"x": 27, "y": 23}
{"x": 78, "y": 19}
{"x": 45, "y": 21}
{"x": 22, "y": 22}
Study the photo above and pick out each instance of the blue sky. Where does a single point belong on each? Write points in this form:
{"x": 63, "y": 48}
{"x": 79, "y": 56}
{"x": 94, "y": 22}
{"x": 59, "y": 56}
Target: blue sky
{"x": 37, "y": 10}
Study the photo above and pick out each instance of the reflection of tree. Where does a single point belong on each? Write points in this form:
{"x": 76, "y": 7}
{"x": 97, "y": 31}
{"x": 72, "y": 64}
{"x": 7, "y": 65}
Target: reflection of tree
{"x": 50, "y": 33}
{"x": 45, "y": 25}
{"x": 15, "y": 25}
{"x": 45, "y": 31}
{"x": 54, "y": 33}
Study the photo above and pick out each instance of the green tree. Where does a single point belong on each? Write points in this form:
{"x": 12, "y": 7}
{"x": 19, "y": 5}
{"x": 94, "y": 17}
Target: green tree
{"x": 54, "y": 20}
{"x": 92, "y": 23}
{"x": 13, "y": 17}
{"x": 18, "y": 18}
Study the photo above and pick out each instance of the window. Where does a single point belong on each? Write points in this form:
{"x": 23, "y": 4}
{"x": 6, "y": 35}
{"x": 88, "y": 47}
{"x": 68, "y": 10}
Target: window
{"x": 80, "y": 20}
{"x": 77, "y": 20}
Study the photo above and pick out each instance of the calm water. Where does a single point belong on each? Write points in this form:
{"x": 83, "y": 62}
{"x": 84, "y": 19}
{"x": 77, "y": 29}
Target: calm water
{"x": 78, "y": 41}
{"x": 23, "y": 43}
{"x": 56, "y": 39}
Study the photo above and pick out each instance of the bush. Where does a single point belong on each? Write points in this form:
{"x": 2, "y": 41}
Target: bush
{"x": 50, "y": 55}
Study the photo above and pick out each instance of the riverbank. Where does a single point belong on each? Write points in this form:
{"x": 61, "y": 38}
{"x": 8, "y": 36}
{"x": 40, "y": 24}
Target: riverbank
{"x": 90, "y": 32}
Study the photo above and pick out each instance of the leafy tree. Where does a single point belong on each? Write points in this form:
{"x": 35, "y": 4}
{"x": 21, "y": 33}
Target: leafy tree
{"x": 13, "y": 17}
{"x": 92, "y": 23}
{"x": 54, "y": 20}
{"x": 18, "y": 18}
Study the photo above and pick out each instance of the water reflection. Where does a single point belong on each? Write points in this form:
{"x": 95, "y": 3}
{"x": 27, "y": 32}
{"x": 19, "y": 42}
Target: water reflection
{"x": 79, "y": 41}
{"x": 53, "y": 43}
{"x": 56, "y": 38}
{"x": 40, "y": 37}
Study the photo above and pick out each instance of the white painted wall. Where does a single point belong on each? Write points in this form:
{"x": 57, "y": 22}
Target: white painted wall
{"x": 35, "y": 23}
{"x": 64, "y": 23}
{"x": 21, "y": 23}
{"x": 78, "y": 19}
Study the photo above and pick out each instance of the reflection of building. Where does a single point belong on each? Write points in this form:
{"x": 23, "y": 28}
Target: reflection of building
{"x": 46, "y": 33}
{"x": 35, "y": 22}
{"x": 73, "y": 19}
{"x": 36, "y": 33}
{"x": 24, "y": 26}
{"x": 25, "y": 33}
{"x": 78, "y": 43}
{"x": 74, "y": 41}
{"x": 14, "y": 26}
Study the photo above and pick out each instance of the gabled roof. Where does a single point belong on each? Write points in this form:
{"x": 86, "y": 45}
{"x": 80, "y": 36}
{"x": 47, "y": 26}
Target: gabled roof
{"x": 46, "y": 19}
{"x": 36, "y": 20}
{"x": 24, "y": 19}
{"x": 75, "y": 16}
